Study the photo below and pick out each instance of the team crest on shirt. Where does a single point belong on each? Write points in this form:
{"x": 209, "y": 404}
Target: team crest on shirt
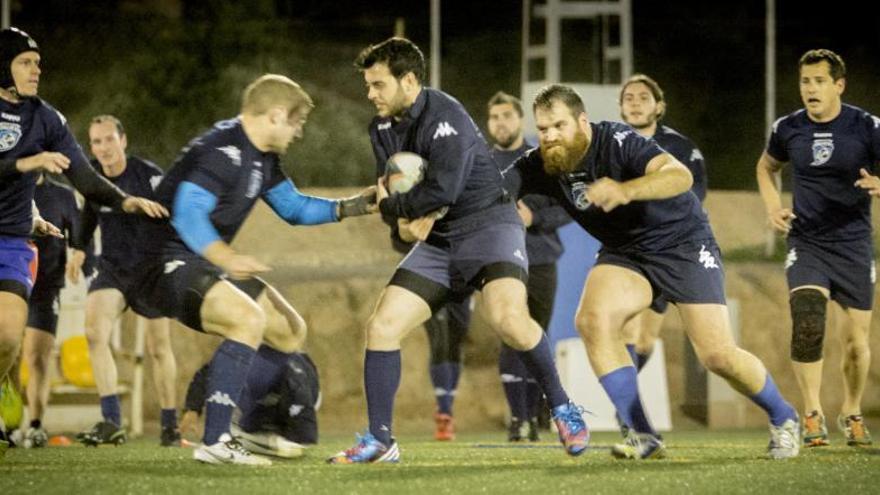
{"x": 822, "y": 150}
{"x": 579, "y": 196}
{"x": 10, "y": 133}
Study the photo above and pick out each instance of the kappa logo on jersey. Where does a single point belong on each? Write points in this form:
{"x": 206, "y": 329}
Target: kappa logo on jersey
{"x": 155, "y": 181}
{"x": 790, "y": 258}
{"x": 384, "y": 126}
{"x": 221, "y": 398}
{"x": 295, "y": 409}
{"x": 233, "y": 153}
{"x": 822, "y": 150}
{"x": 518, "y": 255}
{"x": 255, "y": 183}
{"x": 9, "y": 116}
{"x": 696, "y": 155}
{"x": 173, "y": 265}
{"x": 444, "y": 130}
{"x": 10, "y": 134}
{"x": 707, "y": 258}
{"x": 579, "y": 196}
{"x": 619, "y": 136}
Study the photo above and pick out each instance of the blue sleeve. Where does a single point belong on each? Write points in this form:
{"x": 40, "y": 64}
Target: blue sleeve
{"x": 297, "y": 208}
{"x": 191, "y": 216}
{"x": 776, "y": 145}
{"x": 637, "y": 151}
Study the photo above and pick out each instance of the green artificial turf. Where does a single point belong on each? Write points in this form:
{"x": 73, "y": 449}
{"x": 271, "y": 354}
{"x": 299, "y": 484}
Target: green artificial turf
{"x": 698, "y": 462}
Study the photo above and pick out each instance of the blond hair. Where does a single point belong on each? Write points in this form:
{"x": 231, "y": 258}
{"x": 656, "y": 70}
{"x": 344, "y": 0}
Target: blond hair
{"x": 273, "y": 90}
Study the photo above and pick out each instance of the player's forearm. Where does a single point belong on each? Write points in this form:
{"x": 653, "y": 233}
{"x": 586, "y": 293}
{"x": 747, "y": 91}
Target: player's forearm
{"x": 218, "y": 253}
{"x": 766, "y": 176}
{"x": 94, "y": 187}
{"x": 669, "y": 181}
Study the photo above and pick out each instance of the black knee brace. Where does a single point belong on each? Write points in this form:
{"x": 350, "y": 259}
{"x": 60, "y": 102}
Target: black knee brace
{"x": 808, "y": 308}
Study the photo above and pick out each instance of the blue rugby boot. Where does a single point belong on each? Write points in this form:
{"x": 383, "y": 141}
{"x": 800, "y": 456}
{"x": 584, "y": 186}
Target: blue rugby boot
{"x": 367, "y": 450}
{"x": 573, "y": 431}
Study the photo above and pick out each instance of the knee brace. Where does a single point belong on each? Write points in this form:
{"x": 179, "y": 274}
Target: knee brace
{"x": 808, "y": 308}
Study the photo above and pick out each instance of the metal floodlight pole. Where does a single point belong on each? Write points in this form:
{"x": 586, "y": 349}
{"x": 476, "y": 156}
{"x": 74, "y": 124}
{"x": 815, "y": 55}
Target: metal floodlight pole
{"x": 435, "y": 44}
{"x": 770, "y": 101}
{"x": 5, "y": 17}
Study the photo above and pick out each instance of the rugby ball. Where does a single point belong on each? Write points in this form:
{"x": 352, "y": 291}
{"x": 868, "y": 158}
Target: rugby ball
{"x": 403, "y": 170}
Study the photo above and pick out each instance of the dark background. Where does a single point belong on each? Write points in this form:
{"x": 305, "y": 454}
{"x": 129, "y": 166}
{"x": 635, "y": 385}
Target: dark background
{"x": 170, "y": 68}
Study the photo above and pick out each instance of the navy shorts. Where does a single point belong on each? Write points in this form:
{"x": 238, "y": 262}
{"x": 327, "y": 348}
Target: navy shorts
{"x": 18, "y": 265}
{"x": 107, "y": 276}
{"x": 43, "y": 308}
{"x": 176, "y": 287}
{"x": 472, "y": 253}
{"x": 689, "y": 273}
{"x": 846, "y": 269}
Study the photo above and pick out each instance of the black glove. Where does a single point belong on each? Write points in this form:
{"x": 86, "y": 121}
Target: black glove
{"x": 358, "y": 204}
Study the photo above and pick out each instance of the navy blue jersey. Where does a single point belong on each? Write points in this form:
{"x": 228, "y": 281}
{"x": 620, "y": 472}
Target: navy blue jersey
{"x": 460, "y": 174}
{"x": 826, "y": 158}
{"x": 224, "y": 162}
{"x": 28, "y": 128}
{"x": 685, "y": 151}
{"x": 542, "y": 241}
{"x": 121, "y": 233}
{"x": 57, "y": 204}
{"x": 621, "y": 154}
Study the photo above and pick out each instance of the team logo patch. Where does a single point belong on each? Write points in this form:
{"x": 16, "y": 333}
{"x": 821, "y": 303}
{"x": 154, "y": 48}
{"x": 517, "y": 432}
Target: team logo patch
{"x": 579, "y": 196}
{"x": 10, "y": 134}
{"x": 822, "y": 150}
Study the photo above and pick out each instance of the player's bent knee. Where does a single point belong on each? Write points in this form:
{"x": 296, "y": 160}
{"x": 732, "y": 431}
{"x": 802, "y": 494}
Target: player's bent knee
{"x": 808, "y": 307}
{"x": 719, "y": 361}
{"x": 381, "y": 330}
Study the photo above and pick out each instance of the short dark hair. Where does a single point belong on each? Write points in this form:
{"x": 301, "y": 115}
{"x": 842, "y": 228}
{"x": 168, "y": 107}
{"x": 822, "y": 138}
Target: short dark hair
{"x": 561, "y": 93}
{"x": 835, "y": 62}
{"x": 400, "y": 54}
{"x": 100, "y": 119}
{"x": 502, "y": 98}
{"x": 652, "y": 85}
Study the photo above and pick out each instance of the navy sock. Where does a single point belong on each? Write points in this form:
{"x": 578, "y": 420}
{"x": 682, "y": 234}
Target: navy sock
{"x": 227, "y": 376}
{"x": 770, "y": 400}
{"x": 513, "y": 379}
{"x": 110, "y": 409}
{"x": 381, "y": 379}
{"x": 168, "y": 418}
{"x": 444, "y": 377}
{"x": 642, "y": 360}
{"x": 631, "y": 349}
{"x": 622, "y": 388}
{"x": 539, "y": 362}
{"x": 534, "y": 398}
{"x": 266, "y": 369}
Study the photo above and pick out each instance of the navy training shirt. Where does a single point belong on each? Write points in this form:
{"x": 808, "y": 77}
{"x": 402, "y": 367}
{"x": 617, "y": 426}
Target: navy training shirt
{"x": 30, "y": 127}
{"x": 57, "y": 204}
{"x": 621, "y": 154}
{"x": 121, "y": 233}
{"x": 542, "y": 240}
{"x": 461, "y": 173}
{"x": 826, "y": 158}
{"x": 685, "y": 151}
{"x": 225, "y": 163}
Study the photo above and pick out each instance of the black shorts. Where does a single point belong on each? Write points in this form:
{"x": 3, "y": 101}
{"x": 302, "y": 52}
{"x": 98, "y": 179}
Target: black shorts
{"x": 43, "y": 308}
{"x": 107, "y": 276}
{"x": 176, "y": 287}
{"x": 846, "y": 269}
{"x": 689, "y": 273}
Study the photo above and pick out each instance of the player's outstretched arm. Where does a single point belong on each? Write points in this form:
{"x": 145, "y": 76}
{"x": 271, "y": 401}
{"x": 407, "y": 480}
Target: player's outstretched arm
{"x": 664, "y": 177}
{"x": 778, "y": 217}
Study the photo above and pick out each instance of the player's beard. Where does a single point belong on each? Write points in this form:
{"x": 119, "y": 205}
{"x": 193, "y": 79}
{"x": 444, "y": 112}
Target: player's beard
{"x": 506, "y": 141}
{"x": 566, "y": 156}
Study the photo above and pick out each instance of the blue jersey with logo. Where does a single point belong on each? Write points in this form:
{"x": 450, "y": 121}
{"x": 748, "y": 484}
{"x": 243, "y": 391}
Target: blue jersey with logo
{"x": 685, "y": 151}
{"x": 621, "y": 154}
{"x": 826, "y": 158}
{"x": 57, "y": 205}
{"x": 121, "y": 233}
{"x": 224, "y": 162}
{"x": 460, "y": 174}
{"x": 28, "y": 128}
{"x": 542, "y": 240}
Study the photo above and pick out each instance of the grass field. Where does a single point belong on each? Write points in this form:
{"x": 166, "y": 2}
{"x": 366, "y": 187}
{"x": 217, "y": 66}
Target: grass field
{"x": 699, "y": 462}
